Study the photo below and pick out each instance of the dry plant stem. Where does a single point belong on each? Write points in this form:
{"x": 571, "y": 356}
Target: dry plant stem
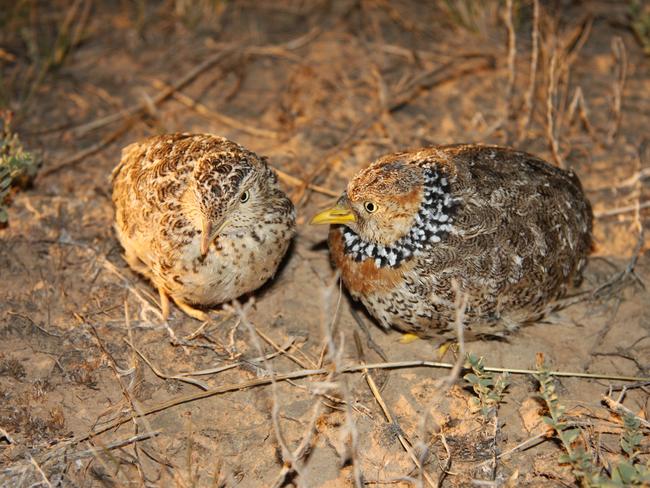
{"x": 629, "y": 269}
{"x": 202, "y": 327}
{"x": 291, "y": 461}
{"x": 621, "y": 210}
{"x": 349, "y": 431}
{"x": 620, "y": 55}
{"x": 113, "y": 445}
{"x": 461, "y": 307}
{"x": 201, "y": 384}
{"x": 6, "y": 436}
{"x": 209, "y": 114}
{"x": 406, "y": 444}
{"x": 621, "y": 409}
{"x": 551, "y": 111}
{"x": 576, "y": 41}
{"x": 95, "y": 148}
{"x": 527, "y": 444}
{"x": 135, "y": 411}
{"x": 512, "y": 53}
{"x": 303, "y": 447}
{"x": 40, "y": 471}
{"x": 142, "y": 106}
{"x": 534, "y": 56}
{"x": 447, "y": 466}
{"x": 292, "y": 180}
{"x": 322, "y": 371}
{"x": 578, "y": 103}
{"x": 274, "y": 345}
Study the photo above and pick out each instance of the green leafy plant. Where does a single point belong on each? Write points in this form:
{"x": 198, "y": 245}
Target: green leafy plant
{"x": 626, "y": 473}
{"x": 630, "y": 472}
{"x": 489, "y": 388}
{"x": 581, "y": 463}
{"x": 17, "y": 167}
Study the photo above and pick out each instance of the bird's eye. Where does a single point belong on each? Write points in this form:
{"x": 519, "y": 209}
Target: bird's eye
{"x": 370, "y": 207}
{"x": 245, "y": 196}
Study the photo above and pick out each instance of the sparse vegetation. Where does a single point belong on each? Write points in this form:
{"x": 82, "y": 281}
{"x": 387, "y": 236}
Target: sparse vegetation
{"x": 17, "y": 166}
{"x": 626, "y": 472}
{"x": 489, "y": 388}
{"x": 320, "y": 88}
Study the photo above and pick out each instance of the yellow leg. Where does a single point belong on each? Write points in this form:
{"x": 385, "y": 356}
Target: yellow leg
{"x": 164, "y": 303}
{"x": 136, "y": 264}
{"x": 192, "y": 312}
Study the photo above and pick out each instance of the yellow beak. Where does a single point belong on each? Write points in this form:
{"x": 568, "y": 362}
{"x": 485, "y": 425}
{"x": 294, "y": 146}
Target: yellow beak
{"x": 334, "y": 215}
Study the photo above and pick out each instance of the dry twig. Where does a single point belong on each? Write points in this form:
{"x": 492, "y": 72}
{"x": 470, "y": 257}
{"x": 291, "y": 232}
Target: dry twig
{"x": 530, "y": 92}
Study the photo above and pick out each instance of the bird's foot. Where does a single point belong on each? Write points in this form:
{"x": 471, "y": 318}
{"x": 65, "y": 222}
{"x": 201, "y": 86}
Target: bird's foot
{"x": 191, "y": 311}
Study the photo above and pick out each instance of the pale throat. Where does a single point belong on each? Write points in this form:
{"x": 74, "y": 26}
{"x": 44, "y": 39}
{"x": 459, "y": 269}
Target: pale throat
{"x": 433, "y": 221}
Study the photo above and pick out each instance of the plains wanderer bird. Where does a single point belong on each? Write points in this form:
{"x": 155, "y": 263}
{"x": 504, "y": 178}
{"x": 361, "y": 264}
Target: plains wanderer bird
{"x": 504, "y": 228}
{"x": 201, "y": 217}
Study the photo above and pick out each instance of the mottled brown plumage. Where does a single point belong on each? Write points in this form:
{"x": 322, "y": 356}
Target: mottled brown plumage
{"x": 201, "y": 217}
{"x": 507, "y": 229}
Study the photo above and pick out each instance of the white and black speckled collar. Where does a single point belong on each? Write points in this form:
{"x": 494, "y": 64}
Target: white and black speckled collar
{"x": 432, "y": 223}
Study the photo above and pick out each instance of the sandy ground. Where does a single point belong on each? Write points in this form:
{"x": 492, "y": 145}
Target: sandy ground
{"x": 87, "y": 391}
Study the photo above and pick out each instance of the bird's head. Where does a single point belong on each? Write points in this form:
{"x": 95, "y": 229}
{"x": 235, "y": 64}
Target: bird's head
{"x": 233, "y": 192}
{"x": 380, "y": 203}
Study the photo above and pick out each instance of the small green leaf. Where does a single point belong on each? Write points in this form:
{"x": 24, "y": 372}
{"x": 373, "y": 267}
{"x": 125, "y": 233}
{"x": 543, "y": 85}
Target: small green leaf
{"x": 568, "y": 436}
{"x": 471, "y": 378}
{"x": 626, "y": 472}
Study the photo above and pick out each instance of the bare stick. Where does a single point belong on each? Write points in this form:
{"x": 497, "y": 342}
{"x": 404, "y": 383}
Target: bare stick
{"x": 512, "y": 53}
{"x": 113, "y": 445}
{"x": 550, "y": 111}
{"x": 534, "y": 55}
{"x": 40, "y": 471}
{"x": 620, "y": 55}
{"x": 292, "y": 180}
{"x": 287, "y": 455}
{"x": 212, "y": 115}
{"x": 406, "y": 444}
{"x": 6, "y": 436}
{"x": 275, "y": 346}
{"x": 460, "y": 306}
{"x": 528, "y": 443}
{"x": 95, "y": 148}
{"x": 578, "y": 103}
{"x": 141, "y": 107}
{"x": 303, "y": 373}
{"x": 621, "y": 210}
{"x": 621, "y": 409}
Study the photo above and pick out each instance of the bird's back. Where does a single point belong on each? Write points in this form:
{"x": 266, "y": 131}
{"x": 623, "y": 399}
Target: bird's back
{"x": 521, "y": 234}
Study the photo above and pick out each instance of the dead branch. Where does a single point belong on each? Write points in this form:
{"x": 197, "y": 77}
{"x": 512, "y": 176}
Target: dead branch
{"x": 512, "y": 53}
{"x": 620, "y": 56}
{"x": 530, "y": 92}
{"x": 621, "y": 409}
{"x": 201, "y": 109}
{"x": 141, "y": 107}
{"x": 551, "y": 112}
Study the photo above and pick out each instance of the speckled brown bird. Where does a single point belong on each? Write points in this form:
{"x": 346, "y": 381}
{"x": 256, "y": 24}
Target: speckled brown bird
{"x": 506, "y": 229}
{"x": 201, "y": 217}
